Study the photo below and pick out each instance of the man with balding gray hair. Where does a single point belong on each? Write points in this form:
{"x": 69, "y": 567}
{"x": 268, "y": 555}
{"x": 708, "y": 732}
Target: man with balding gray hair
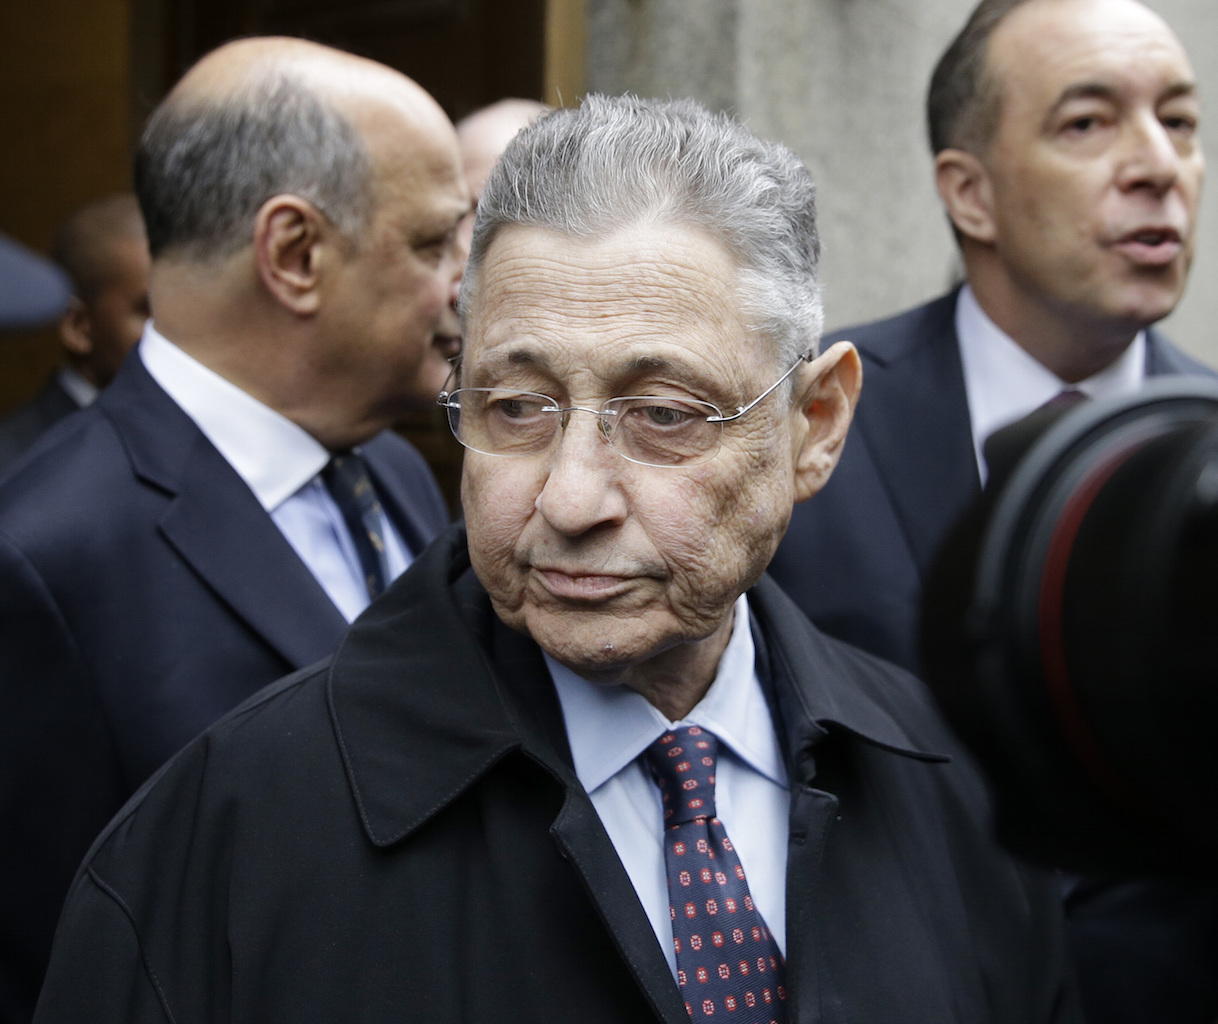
{"x": 583, "y": 761}
{"x": 233, "y": 499}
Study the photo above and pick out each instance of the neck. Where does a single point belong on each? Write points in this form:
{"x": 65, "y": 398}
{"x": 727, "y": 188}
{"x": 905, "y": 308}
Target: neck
{"x": 255, "y": 345}
{"x": 675, "y": 680}
{"x": 1071, "y": 345}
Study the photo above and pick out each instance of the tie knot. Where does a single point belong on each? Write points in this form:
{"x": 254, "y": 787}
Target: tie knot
{"x": 683, "y": 762}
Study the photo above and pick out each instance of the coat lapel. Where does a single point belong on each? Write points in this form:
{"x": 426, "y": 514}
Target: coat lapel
{"x": 578, "y": 831}
{"x": 214, "y": 522}
{"x": 913, "y": 418}
{"x": 499, "y": 701}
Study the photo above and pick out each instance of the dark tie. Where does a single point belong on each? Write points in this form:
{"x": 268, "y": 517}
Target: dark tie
{"x": 346, "y": 478}
{"x": 1005, "y": 447}
{"x": 728, "y": 964}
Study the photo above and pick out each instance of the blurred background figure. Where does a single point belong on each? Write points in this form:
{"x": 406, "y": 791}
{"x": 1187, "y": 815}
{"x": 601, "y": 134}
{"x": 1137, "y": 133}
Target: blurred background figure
{"x": 33, "y": 290}
{"x": 103, "y": 250}
{"x": 483, "y": 136}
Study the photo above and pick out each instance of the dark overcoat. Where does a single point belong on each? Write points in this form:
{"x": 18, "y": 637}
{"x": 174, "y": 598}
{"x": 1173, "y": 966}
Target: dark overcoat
{"x": 398, "y": 835}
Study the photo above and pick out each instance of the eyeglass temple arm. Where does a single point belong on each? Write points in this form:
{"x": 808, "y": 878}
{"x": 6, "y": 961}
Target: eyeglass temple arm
{"x": 807, "y": 357}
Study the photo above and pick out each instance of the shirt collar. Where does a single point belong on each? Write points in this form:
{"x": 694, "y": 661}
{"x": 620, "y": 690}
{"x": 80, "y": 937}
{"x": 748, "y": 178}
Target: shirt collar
{"x": 273, "y": 455}
{"x": 81, "y": 391}
{"x": 1004, "y": 383}
{"x": 609, "y": 726}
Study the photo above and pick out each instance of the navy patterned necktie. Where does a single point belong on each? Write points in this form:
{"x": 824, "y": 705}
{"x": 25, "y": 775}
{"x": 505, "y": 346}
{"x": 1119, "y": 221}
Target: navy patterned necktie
{"x": 346, "y": 478}
{"x": 728, "y": 963}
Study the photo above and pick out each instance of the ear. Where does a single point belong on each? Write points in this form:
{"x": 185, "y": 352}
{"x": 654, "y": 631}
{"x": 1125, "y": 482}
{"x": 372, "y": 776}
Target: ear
{"x": 290, "y": 235}
{"x": 76, "y": 329}
{"x": 965, "y": 188}
{"x": 827, "y": 391}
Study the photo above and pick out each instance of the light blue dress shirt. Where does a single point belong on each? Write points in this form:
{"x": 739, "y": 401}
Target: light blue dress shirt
{"x": 608, "y": 727}
{"x": 1003, "y": 383}
{"x": 279, "y": 461}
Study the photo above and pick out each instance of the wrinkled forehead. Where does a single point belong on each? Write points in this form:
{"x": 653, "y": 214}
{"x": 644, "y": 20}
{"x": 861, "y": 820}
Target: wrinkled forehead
{"x": 543, "y": 295}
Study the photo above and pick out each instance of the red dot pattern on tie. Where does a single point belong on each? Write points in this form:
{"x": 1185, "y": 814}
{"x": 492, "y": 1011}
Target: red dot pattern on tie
{"x": 728, "y": 964}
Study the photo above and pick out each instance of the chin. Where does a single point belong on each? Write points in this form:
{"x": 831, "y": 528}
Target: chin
{"x": 593, "y": 644}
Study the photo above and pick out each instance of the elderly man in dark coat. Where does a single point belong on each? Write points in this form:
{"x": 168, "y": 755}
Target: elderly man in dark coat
{"x": 583, "y": 761}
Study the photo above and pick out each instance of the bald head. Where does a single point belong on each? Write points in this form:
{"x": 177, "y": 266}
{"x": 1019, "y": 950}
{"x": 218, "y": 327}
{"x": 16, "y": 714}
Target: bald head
{"x": 484, "y": 135}
{"x": 258, "y": 118}
{"x": 87, "y": 244}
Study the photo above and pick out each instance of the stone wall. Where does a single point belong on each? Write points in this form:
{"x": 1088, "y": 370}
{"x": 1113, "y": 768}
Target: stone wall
{"x": 843, "y": 83}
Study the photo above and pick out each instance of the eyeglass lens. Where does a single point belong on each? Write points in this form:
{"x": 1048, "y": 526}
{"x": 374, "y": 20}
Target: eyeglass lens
{"x": 649, "y": 430}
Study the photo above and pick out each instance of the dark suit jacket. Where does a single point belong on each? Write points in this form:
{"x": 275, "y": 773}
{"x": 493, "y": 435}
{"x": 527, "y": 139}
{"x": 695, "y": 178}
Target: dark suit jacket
{"x": 854, "y": 559}
{"x": 399, "y": 835}
{"x": 22, "y": 428}
{"x": 855, "y": 556}
{"x": 143, "y": 593}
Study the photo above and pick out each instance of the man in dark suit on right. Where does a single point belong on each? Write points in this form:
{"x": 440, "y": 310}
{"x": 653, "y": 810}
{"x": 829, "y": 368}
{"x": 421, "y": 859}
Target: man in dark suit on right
{"x": 234, "y": 498}
{"x": 1067, "y": 158}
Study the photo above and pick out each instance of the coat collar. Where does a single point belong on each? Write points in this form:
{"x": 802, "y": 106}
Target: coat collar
{"x": 418, "y": 723}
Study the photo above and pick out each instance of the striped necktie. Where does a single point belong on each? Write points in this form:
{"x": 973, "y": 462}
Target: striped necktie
{"x": 346, "y": 478}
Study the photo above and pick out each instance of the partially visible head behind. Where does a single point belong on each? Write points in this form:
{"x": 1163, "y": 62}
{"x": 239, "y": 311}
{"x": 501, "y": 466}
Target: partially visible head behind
{"x": 622, "y": 162}
{"x": 103, "y": 249}
{"x": 485, "y": 134}
{"x": 302, "y": 207}
{"x": 963, "y": 102}
{"x": 216, "y": 150}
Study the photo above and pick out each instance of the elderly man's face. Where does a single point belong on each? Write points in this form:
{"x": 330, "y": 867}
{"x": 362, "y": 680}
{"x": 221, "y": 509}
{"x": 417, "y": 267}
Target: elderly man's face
{"x": 605, "y": 562}
{"x": 1096, "y": 167}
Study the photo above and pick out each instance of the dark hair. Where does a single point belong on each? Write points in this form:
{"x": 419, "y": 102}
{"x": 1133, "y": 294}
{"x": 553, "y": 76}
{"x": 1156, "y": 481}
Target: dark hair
{"x": 83, "y": 245}
{"x": 205, "y": 167}
{"x": 963, "y": 102}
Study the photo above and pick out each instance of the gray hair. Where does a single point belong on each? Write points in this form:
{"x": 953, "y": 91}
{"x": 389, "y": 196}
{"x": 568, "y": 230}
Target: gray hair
{"x": 205, "y": 167}
{"x": 618, "y": 162}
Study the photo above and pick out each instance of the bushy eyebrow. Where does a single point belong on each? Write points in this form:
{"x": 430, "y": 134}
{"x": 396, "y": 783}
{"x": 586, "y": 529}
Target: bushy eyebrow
{"x": 634, "y": 368}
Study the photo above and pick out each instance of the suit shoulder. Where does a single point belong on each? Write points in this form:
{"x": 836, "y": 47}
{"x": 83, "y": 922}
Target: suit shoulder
{"x": 1165, "y": 357}
{"x": 888, "y": 339}
{"x": 63, "y": 465}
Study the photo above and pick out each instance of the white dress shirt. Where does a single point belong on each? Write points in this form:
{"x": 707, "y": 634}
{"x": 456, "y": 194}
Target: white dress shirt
{"x": 279, "y": 462}
{"x": 1003, "y": 383}
{"x": 609, "y": 727}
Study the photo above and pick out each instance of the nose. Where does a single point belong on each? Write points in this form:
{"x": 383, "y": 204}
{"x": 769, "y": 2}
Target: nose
{"x": 1152, "y": 159}
{"x": 582, "y": 490}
